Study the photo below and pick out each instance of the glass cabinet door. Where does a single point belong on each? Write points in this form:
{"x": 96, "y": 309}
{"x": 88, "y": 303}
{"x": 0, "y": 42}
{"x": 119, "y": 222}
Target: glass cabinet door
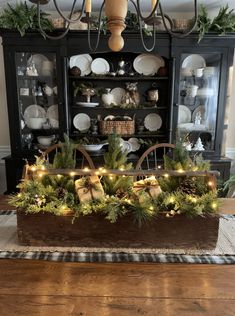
{"x": 198, "y": 100}
{"x": 36, "y": 79}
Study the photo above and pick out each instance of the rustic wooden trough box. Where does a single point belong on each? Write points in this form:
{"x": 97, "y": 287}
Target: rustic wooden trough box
{"x": 45, "y": 229}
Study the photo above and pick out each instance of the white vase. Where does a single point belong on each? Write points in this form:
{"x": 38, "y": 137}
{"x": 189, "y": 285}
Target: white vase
{"x": 107, "y": 97}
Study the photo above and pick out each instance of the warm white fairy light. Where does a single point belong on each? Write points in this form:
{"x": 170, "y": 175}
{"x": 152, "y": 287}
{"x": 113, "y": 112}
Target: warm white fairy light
{"x": 210, "y": 183}
{"x": 43, "y": 168}
{"x": 40, "y": 175}
{"x": 159, "y": 167}
{"x": 19, "y": 194}
{"x": 86, "y": 169}
{"x": 104, "y": 170}
{"x": 97, "y": 173}
{"x": 180, "y": 170}
{"x": 72, "y": 174}
{"x": 59, "y": 176}
{"x": 151, "y": 208}
{"x": 214, "y": 205}
{"x": 121, "y": 169}
{"x": 33, "y": 168}
{"x": 172, "y": 199}
{"x": 111, "y": 177}
{"x": 166, "y": 175}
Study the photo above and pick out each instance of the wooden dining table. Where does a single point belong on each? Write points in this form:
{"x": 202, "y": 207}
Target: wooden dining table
{"x": 34, "y": 287}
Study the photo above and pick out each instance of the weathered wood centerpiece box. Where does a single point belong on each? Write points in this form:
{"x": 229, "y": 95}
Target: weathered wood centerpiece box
{"x": 119, "y": 206}
{"x": 95, "y": 231}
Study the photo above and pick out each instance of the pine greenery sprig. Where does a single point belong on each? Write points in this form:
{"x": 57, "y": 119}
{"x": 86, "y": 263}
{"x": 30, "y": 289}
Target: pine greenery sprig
{"x": 115, "y": 158}
{"x": 23, "y": 17}
{"x": 223, "y": 23}
{"x": 66, "y": 157}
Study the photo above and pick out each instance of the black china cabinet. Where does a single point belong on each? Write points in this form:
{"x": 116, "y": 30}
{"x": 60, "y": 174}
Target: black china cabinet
{"x": 45, "y": 99}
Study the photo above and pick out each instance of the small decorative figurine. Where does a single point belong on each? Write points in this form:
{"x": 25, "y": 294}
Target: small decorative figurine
{"x": 132, "y": 95}
{"x": 199, "y": 145}
{"x": 198, "y": 118}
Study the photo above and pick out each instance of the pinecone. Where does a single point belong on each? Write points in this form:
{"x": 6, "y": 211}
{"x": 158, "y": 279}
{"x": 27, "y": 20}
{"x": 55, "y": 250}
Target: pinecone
{"x": 60, "y": 192}
{"x": 188, "y": 186}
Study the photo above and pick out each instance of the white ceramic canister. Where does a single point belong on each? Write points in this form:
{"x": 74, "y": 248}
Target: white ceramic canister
{"x": 107, "y": 97}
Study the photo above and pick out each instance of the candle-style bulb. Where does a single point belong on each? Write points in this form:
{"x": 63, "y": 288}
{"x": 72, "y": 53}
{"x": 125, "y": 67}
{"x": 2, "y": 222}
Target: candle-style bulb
{"x": 88, "y": 6}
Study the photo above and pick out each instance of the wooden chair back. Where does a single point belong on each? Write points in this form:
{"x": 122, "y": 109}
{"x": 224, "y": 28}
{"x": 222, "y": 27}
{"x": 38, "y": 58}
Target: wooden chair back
{"x": 83, "y": 161}
{"x": 152, "y": 158}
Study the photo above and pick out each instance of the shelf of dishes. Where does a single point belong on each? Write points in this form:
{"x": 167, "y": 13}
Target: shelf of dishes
{"x": 193, "y": 120}
{"x": 30, "y": 141}
{"x": 150, "y": 107}
{"x": 109, "y": 124}
{"x": 128, "y": 98}
{"x": 139, "y": 135}
{"x": 32, "y": 65}
{"x": 143, "y": 64}
{"x": 36, "y": 117}
{"x": 114, "y": 78}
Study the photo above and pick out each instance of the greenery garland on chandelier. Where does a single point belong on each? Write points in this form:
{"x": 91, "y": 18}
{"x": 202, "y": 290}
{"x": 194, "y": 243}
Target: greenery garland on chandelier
{"x": 114, "y": 196}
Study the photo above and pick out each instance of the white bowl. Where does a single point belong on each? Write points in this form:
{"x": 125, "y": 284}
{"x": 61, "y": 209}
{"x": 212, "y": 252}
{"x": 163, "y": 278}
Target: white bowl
{"x": 35, "y": 122}
{"x": 205, "y": 92}
{"x": 93, "y": 147}
{"x": 46, "y": 140}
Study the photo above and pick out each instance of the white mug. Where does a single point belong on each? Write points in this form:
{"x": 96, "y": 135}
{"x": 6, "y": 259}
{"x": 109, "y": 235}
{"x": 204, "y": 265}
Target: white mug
{"x": 192, "y": 91}
{"x": 198, "y": 72}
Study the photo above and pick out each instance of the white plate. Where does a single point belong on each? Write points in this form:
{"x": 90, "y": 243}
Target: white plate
{"x": 135, "y": 145}
{"x": 100, "y": 66}
{"x": 83, "y": 62}
{"x": 194, "y": 61}
{"x": 202, "y": 110}
{"x": 88, "y": 104}
{"x": 184, "y": 114}
{"x": 34, "y": 110}
{"x": 191, "y": 127}
{"x": 52, "y": 112}
{"x": 153, "y": 122}
{"x": 82, "y": 122}
{"x": 148, "y": 64}
{"x": 38, "y": 60}
{"x": 118, "y": 94}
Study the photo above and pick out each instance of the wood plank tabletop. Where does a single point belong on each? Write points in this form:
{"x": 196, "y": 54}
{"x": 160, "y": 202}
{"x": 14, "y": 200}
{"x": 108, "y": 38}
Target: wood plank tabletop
{"x": 29, "y": 287}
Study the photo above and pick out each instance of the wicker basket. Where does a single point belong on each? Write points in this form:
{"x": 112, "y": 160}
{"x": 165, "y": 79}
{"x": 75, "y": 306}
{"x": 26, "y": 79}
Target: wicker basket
{"x": 118, "y": 127}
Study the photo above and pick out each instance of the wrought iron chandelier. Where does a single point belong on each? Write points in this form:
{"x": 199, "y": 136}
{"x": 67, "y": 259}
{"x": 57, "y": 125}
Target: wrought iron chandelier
{"x": 116, "y": 11}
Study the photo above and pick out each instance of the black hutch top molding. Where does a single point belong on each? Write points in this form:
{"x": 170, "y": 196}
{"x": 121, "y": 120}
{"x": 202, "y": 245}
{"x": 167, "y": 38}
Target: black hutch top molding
{"x": 177, "y": 110}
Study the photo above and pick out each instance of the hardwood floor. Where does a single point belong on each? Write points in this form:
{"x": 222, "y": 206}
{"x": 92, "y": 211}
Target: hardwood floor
{"x": 52, "y": 288}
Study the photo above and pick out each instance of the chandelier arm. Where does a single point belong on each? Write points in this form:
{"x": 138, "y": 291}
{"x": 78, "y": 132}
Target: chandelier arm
{"x": 138, "y": 10}
{"x": 99, "y": 30}
{"x": 69, "y": 20}
{"x": 174, "y": 33}
{"x": 141, "y": 31}
{"x": 44, "y": 33}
